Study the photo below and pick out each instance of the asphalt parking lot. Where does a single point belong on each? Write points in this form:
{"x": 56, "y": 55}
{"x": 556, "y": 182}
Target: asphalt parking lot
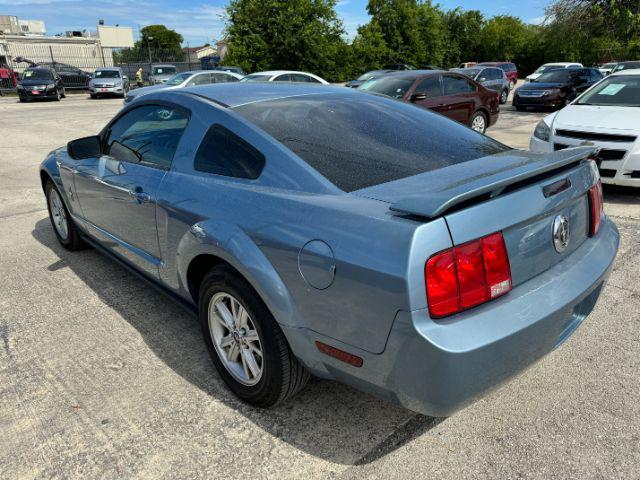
{"x": 102, "y": 377}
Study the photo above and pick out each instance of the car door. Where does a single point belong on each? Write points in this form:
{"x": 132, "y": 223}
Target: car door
{"x": 117, "y": 191}
{"x": 459, "y": 97}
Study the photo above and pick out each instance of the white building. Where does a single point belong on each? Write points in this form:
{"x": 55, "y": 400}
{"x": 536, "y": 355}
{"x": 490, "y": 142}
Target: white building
{"x": 32, "y": 27}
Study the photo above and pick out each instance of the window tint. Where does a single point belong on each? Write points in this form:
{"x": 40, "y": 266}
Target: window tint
{"x": 148, "y": 134}
{"x": 357, "y": 140}
{"x": 283, "y": 78}
{"x": 429, "y": 86}
{"x": 456, "y": 85}
{"x": 224, "y": 153}
{"x": 495, "y": 74}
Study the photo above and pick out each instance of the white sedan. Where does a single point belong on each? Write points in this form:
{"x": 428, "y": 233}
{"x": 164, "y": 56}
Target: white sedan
{"x": 284, "y": 76}
{"x": 607, "y": 116}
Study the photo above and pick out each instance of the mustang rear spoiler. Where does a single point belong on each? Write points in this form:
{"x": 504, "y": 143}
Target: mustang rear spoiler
{"x": 467, "y": 183}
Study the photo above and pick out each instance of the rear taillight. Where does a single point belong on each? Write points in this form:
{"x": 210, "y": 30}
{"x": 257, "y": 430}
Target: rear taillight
{"x": 467, "y": 275}
{"x": 596, "y": 207}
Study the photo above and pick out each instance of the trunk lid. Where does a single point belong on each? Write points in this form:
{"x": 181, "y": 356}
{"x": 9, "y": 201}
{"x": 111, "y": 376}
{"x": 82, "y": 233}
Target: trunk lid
{"x": 518, "y": 193}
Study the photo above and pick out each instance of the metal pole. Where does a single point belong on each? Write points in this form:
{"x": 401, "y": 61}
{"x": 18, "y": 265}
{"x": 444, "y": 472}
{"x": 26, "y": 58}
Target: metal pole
{"x": 53, "y": 62}
{"x": 189, "y": 55}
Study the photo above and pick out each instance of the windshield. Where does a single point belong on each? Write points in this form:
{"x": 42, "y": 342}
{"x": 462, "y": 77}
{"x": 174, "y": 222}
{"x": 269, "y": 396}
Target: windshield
{"x": 107, "y": 74}
{"x": 620, "y": 91}
{"x": 38, "y": 74}
{"x": 178, "y": 78}
{"x": 394, "y": 87}
{"x": 256, "y": 78}
{"x": 357, "y": 140}
{"x": 555, "y": 76}
{"x": 366, "y": 76}
{"x": 164, "y": 70}
{"x": 626, "y": 66}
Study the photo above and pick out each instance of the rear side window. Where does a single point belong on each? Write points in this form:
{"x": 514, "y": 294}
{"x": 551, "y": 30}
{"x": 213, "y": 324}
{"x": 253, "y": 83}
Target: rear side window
{"x": 358, "y": 140}
{"x": 222, "y": 152}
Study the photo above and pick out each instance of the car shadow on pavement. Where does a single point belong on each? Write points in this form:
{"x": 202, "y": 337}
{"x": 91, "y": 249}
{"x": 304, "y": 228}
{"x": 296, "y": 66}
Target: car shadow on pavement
{"x": 327, "y": 419}
{"x": 621, "y": 195}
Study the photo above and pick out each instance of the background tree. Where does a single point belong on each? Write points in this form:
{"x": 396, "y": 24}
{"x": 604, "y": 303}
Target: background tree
{"x": 463, "y": 36}
{"x": 286, "y": 34}
{"x": 157, "y": 41}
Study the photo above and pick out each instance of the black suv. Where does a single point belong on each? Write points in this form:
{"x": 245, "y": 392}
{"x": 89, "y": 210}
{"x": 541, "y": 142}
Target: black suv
{"x": 40, "y": 82}
{"x": 555, "y": 88}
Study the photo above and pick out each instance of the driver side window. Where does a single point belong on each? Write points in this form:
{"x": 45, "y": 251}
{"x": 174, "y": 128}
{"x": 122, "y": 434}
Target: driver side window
{"x": 148, "y": 134}
{"x": 430, "y": 86}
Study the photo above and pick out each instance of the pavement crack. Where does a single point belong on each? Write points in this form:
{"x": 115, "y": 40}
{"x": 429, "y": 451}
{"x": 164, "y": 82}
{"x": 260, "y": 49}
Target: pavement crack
{"x": 405, "y": 432}
{"x": 11, "y": 215}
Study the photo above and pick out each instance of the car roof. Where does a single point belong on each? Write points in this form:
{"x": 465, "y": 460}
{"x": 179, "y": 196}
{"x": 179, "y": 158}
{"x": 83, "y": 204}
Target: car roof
{"x": 240, "y": 93}
{"x": 278, "y": 72}
{"x": 108, "y": 68}
{"x": 40, "y": 67}
{"x": 493, "y": 64}
{"x": 416, "y": 73}
{"x": 162, "y": 65}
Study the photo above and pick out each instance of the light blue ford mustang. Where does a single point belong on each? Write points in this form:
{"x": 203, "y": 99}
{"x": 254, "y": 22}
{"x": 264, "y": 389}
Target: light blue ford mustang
{"x": 322, "y": 230}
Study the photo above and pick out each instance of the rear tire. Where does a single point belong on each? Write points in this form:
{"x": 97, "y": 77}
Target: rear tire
{"x": 520, "y": 108}
{"x": 63, "y": 225}
{"x": 504, "y": 96}
{"x": 23, "y": 100}
{"x": 478, "y": 122}
{"x": 271, "y": 377}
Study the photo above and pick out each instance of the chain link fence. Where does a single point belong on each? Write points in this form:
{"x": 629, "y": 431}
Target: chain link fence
{"x": 76, "y": 63}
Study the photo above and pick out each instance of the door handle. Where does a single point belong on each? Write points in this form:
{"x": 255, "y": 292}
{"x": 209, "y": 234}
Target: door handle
{"x": 140, "y": 196}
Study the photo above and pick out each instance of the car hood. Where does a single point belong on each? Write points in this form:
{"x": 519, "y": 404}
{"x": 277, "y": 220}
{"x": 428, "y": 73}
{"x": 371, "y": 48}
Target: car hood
{"x": 35, "y": 81}
{"x": 539, "y": 85}
{"x": 598, "y": 117}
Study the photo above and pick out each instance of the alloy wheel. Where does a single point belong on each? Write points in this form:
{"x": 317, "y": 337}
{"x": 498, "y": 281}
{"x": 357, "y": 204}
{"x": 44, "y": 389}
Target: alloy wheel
{"x": 58, "y": 214}
{"x": 479, "y": 123}
{"x": 235, "y": 339}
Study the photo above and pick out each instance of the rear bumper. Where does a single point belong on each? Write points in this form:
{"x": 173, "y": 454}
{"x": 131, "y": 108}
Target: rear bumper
{"x": 436, "y": 368}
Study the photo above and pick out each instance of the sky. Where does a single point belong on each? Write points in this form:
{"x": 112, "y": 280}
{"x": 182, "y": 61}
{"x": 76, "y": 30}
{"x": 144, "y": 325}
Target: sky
{"x": 200, "y": 21}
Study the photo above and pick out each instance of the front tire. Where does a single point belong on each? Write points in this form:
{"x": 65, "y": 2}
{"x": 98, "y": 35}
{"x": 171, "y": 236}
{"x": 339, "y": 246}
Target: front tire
{"x": 245, "y": 343}
{"x": 63, "y": 225}
{"x": 478, "y": 122}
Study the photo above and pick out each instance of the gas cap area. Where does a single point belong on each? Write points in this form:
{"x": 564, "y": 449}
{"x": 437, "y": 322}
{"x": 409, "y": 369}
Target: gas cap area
{"x": 317, "y": 264}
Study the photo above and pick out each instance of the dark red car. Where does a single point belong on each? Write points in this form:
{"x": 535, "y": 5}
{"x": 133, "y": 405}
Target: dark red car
{"x": 450, "y": 94}
{"x": 510, "y": 70}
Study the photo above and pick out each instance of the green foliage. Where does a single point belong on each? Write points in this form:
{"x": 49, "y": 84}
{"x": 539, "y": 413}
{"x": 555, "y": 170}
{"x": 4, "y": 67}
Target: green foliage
{"x": 286, "y": 34}
{"x": 307, "y": 35}
{"x": 156, "y": 42}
